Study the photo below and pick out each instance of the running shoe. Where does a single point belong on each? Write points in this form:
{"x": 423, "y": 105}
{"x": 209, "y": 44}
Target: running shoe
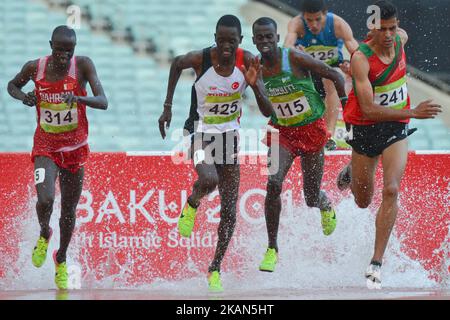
{"x": 269, "y": 261}
{"x": 187, "y": 220}
{"x": 330, "y": 145}
{"x": 40, "y": 251}
{"x": 373, "y": 276}
{"x": 328, "y": 221}
{"x": 344, "y": 178}
{"x": 214, "y": 282}
{"x": 61, "y": 275}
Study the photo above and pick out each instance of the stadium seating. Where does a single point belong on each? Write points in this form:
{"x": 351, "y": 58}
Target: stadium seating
{"x": 134, "y": 84}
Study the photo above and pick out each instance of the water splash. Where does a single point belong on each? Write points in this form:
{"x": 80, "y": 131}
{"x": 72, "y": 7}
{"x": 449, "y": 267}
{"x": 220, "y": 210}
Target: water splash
{"x": 307, "y": 260}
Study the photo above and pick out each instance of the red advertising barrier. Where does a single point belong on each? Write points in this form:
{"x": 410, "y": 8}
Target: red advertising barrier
{"x": 126, "y": 218}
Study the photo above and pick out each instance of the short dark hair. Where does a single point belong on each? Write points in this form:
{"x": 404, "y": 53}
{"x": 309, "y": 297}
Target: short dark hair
{"x": 313, "y": 6}
{"x": 64, "y": 31}
{"x": 264, "y": 21}
{"x": 229, "y": 21}
{"x": 387, "y": 8}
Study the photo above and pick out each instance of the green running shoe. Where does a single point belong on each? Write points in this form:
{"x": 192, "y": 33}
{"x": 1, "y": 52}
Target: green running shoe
{"x": 61, "y": 275}
{"x": 269, "y": 261}
{"x": 187, "y": 220}
{"x": 40, "y": 251}
{"x": 214, "y": 282}
{"x": 328, "y": 221}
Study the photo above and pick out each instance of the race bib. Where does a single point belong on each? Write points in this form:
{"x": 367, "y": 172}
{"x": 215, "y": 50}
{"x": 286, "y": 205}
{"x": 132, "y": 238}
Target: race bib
{"x": 328, "y": 55}
{"x": 39, "y": 175}
{"x": 58, "y": 118}
{"x": 220, "y": 109}
{"x": 340, "y": 134}
{"x": 291, "y": 108}
{"x": 393, "y": 95}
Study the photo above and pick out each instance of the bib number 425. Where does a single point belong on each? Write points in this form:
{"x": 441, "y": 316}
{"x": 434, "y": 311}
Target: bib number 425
{"x": 224, "y": 109}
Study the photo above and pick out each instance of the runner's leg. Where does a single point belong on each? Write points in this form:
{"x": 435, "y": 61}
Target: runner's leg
{"x": 363, "y": 176}
{"x": 273, "y": 198}
{"x": 46, "y": 172}
{"x": 71, "y": 185}
{"x": 229, "y": 177}
{"x": 394, "y": 163}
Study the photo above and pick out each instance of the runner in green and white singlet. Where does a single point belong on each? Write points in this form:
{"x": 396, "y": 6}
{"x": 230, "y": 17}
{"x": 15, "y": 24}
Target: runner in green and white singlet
{"x": 302, "y": 131}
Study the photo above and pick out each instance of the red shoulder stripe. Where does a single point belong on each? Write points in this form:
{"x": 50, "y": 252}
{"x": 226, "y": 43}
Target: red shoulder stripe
{"x": 239, "y": 59}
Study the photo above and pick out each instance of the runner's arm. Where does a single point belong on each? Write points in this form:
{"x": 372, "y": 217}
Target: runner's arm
{"x": 344, "y": 32}
{"x": 193, "y": 60}
{"x": 253, "y": 76}
{"x": 99, "y": 100}
{"x": 15, "y": 86}
{"x": 374, "y": 112}
{"x": 305, "y": 61}
{"x": 295, "y": 31}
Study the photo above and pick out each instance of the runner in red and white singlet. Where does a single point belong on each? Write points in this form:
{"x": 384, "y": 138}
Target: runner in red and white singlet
{"x": 60, "y": 146}
{"x": 61, "y": 129}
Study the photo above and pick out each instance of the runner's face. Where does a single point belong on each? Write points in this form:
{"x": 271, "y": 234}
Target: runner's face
{"x": 345, "y": 67}
{"x": 266, "y": 39}
{"x": 315, "y": 21}
{"x": 227, "y": 41}
{"x": 62, "y": 50}
{"x": 385, "y": 36}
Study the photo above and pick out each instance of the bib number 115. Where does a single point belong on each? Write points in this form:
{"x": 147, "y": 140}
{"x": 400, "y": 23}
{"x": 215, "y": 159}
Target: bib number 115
{"x": 288, "y": 111}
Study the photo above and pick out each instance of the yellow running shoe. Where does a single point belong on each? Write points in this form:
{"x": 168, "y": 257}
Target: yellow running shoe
{"x": 269, "y": 261}
{"x": 40, "y": 251}
{"x": 61, "y": 275}
{"x": 214, "y": 283}
{"x": 187, "y": 220}
{"x": 328, "y": 221}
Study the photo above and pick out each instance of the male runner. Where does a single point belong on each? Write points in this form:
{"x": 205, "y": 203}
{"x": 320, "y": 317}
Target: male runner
{"x": 322, "y": 34}
{"x": 60, "y": 146}
{"x": 378, "y": 112}
{"x": 223, "y": 72}
{"x": 299, "y": 120}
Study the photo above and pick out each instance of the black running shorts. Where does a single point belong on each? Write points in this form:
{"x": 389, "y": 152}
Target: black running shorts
{"x": 371, "y": 140}
{"x": 215, "y": 148}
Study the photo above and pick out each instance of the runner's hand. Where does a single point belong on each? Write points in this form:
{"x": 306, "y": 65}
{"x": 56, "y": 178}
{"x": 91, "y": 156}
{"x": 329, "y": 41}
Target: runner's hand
{"x": 253, "y": 73}
{"x": 70, "y": 99}
{"x": 164, "y": 121}
{"x": 30, "y": 99}
{"x": 426, "y": 110}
